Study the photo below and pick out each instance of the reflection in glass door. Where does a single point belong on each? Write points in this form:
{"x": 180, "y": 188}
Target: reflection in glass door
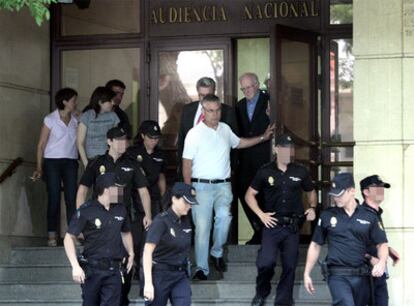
{"x": 178, "y": 75}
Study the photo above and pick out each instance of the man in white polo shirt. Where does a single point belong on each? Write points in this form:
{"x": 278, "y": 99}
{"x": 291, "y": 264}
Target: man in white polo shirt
{"x": 206, "y": 164}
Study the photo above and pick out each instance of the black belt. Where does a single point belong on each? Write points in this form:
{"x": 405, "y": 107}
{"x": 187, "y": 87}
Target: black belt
{"x": 167, "y": 267}
{"x": 104, "y": 263}
{"x": 198, "y": 180}
{"x": 361, "y": 271}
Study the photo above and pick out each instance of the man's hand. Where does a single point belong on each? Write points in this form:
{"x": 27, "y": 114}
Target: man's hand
{"x": 307, "y": 281}
{"x": 378, "y": 269}
{"x": 130, "y": 263}
{"x": 146, "y": 222}
{"x": 149, "y": 292}
{"x": 310, "y": 214}
{"x": 268, "y": 220}
{"x": 269, "y": 132}
{"x": 394, "y": 256}
{"x": 78, "y": 275}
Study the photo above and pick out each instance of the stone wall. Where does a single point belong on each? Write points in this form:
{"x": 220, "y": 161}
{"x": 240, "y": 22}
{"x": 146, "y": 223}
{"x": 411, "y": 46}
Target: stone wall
{"x": 24, "y": 101}
{"x": 383, "y": 124}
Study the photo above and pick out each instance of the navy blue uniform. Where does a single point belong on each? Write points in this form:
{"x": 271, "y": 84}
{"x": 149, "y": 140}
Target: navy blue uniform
{"x": 153, "y": 165}
{"x": 127, "y": 170}
{"x": 172, "y": 237}
{"x": 348, "y": 238}
{"x": 129, "y": 174}
{"x": 380, "y": 283}
{"x": 103, "y": 250}
{"x": 282, "y": 193}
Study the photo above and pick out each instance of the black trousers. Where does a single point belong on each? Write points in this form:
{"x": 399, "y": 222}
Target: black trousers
{"x": 274, "y": 240}
{"x": 349, "y": 290}
{"x": 101, "y": 288}
{"x": 170, "y": 285}
{"x": 380, "y": 291}
{"x": 138, "y": 236}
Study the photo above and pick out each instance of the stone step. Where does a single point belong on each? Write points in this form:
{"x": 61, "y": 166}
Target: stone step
{"x": 40, "y": 291}
{"x": 42, "y": 272}
{"x": 195, "y": 302}
{"x": 54, "y": 256}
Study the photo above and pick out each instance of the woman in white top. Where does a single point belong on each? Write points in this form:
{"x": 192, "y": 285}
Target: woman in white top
{"x": 57, "y": 158}
{"x": 95, "y": 121}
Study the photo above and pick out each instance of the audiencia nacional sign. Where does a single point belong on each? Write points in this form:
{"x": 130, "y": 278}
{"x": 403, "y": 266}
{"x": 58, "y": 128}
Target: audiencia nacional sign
{"x": 187, "y": 12}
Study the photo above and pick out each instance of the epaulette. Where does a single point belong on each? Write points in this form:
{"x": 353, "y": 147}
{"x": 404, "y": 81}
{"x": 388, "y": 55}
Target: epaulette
{"x": 267, "y": 165}
{"x": 85, "y": 205}
{"x": 93, "y": 161}
{"x": 163, "y": 214}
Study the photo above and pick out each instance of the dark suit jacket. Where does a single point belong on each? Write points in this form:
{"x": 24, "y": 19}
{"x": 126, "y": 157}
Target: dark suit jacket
{"x": 251, "y": 159}
{"x": 187, "y": 122}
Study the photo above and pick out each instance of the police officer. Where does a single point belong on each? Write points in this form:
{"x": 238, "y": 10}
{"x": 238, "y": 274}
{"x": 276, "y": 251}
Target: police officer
{"x": 152, "y": 159}
{"x": 349, "y": 229}
{"x": 106, "y": 231}
{"x": 129, "y": 173}
{"x": 281, "y": 182}
{"x": 167, "y": 251}
{"x": 372, "y": 189}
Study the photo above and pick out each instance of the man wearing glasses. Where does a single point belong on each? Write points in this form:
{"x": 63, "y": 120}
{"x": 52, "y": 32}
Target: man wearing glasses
{"x": 252, "y": 120}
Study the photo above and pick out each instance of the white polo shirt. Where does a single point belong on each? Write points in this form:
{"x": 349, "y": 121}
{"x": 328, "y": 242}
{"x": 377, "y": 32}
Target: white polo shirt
{"x": 209, "y": 150}
{"x": 62, "y": 138}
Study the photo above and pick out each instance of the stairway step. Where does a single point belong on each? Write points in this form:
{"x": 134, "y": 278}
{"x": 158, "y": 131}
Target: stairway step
{"x": 38, "y": 255}
{"x": 195, "y": 302}
{"x": 205, "y": 289}
{"x": 45, "y": 272}
{"x": 56, "y": 255}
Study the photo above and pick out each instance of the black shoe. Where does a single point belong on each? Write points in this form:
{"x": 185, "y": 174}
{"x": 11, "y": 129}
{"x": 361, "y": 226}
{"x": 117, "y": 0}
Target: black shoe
{"x": 219, "y": 263}
{"x": 199, "y": 275}
{"x": 258, "y": 301}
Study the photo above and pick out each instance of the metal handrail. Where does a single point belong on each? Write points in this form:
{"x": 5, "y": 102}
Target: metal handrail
{"x": 11, "y": 169}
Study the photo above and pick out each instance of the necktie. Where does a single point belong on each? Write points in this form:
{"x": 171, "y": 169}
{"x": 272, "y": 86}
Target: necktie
{"x": 200, "y": 118}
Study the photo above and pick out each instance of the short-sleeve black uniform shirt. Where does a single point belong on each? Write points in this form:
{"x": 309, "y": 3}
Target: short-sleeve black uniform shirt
{"x": 348, "y": 237}
{"x": 101, "y": 229}
{"x": 153, "y": 165}
{"x": 282, "y": 191}
{"x": 372, "y": 249}
{"x": 172, "y": 236}
{"x": 128, "y": 173}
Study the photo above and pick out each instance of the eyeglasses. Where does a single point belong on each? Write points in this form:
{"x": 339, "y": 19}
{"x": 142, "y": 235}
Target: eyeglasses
{"x": 247, "y": 87}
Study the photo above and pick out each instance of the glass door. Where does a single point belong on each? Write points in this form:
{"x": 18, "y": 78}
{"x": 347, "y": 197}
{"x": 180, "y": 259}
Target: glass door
{"x": 175, "y": 69}
{"x": 293, "y": 89}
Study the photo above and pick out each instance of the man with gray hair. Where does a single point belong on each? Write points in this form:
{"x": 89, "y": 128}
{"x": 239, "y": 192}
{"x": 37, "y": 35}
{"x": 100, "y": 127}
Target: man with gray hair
{"x": 206, "y": 164}
{"x": 192, "y": 115}
{"x": 252, "y": 120}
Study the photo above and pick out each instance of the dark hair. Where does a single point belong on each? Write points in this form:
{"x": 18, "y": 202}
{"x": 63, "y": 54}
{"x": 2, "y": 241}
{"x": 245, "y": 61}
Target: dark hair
{"x": 206, "y": 82}
{"x": 64, "y": 94}
{"x": 211, "y": 98}
{"x": 166, "y": 200}
{"x": 113, "y": 83}
{"x": 99, "y": 190}
{"x": 100, "y": 95}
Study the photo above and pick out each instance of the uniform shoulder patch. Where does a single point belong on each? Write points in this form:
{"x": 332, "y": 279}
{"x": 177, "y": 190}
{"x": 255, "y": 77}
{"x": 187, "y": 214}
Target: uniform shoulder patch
{"x": 163, "y": 214}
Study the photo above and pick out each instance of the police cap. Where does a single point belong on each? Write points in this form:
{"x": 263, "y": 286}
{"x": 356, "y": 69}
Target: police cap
{"x": 340, "y": 183}
{"x": 186, "y": 191}
{"x": 373, "y": 181}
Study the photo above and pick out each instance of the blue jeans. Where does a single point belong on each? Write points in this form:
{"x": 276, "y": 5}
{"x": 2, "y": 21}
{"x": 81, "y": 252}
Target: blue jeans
{"x": 217, "y": 198}
{"x": 56, "y": 171}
